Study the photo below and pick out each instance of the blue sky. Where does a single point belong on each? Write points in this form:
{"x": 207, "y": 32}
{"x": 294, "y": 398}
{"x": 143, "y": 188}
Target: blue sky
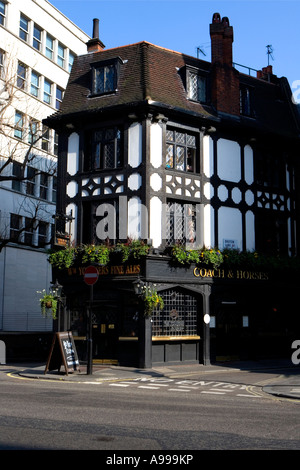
{"x": 184, "y": 25}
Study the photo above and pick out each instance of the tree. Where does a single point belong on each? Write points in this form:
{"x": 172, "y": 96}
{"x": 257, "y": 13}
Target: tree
{"x": 24, "y": 146}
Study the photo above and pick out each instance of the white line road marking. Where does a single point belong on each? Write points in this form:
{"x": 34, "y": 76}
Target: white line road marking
{"x": 214, "y": 393}
{"x": 179, "y": 390}
{"x": 148, "y": 386}
{"x": 119, "y": 385}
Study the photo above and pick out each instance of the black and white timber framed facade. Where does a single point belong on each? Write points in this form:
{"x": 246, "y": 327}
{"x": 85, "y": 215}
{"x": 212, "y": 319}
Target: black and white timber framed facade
{"x": 173, "y": 150}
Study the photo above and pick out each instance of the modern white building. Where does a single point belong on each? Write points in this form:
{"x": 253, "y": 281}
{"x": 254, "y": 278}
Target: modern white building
{"x": 37, "y": 47}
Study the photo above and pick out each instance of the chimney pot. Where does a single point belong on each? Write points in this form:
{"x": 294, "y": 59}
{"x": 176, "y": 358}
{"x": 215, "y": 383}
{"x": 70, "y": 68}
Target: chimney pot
{"x": 95, "y": 28}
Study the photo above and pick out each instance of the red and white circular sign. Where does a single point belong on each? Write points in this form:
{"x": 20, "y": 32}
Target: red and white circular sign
{"x": 90, "y": 275}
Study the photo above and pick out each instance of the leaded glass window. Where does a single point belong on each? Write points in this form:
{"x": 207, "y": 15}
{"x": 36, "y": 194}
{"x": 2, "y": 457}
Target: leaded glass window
{"x": 180, "y": 223}
{"x": 180, "y": 150}
{"x": 106, "y": 149}
{"x": 178, "y": 317}
{"x": 104, "y": 81}
{"x": 197, "y": 87}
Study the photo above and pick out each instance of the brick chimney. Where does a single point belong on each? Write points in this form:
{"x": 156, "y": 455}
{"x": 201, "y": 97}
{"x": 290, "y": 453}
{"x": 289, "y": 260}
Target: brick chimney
{"x": 225, "y": 78}
{"x": 94, "y": 44}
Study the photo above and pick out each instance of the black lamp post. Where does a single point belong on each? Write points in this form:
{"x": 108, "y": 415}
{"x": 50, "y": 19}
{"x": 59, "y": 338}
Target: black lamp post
{"x": 145, "y": 330}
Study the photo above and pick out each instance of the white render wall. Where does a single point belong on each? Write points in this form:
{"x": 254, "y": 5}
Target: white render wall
{"x": 25, "y": 270}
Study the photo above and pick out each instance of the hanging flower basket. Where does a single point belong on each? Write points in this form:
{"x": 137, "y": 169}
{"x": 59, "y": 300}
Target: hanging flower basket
{"x": 151, "y": 300}
{"x": 48, "y": 303}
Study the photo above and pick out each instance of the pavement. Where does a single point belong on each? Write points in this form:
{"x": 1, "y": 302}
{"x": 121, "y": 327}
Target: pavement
{"x": 285, "y": 382}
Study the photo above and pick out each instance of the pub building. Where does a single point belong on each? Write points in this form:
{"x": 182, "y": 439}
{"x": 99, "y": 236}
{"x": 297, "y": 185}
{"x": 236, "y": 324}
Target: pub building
{"x": 180, "y": 154}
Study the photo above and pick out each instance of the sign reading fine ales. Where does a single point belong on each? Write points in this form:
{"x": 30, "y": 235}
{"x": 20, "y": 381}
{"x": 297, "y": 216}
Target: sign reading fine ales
{"x": 63, "y": 351}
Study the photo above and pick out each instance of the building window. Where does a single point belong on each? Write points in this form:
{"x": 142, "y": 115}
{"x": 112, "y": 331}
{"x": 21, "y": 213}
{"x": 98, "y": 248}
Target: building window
{"x": 33, "y": 132}
{"x": 19, "y": 125}
{"x": 30, "y": 181}
{"x": 180, "y": 150}
{"x": 24, "y": 27}
{"x": 35, "y": 84}
{"x": 42, "y": 233}
{"x": 245, "y": 101}
{"x": 21, "y": 76}
{"x": 54, "y": 188}
{"x": 28, "y": 231}
{"x": 55, "y": 145}
{"x": 197, "y": 87}
{"x": 15, "y": 227}
{"x": 2, "y": 60}
{"x": 270, "y": 169}
{"x": 105, "y": 77}
{"x": 49, "y": 47}
{"x": 47, "y": 91}
{"x": 104, "y": 149}
{"x": 61, "y": 50}
{"x": 71, "y": 60}
{"x": 37, "y": 37}
{"x": 271, "y": 233}
{"x": 59, "y": 97}
{"x": 44, "y": 181}
{"x": 178, "y": 317}
{"x": 2, "y": 13}
{"x": 45, "y": 138}
{"x": 180, "y": 223}
{"x": 17, "y": 171}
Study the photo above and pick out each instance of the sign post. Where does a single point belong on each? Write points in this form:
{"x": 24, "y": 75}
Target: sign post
{"x": 90, "y": 278}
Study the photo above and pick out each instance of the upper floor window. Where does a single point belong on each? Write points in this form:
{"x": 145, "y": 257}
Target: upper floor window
{"x": 181, "y": 149}
{"x": 71, "y": 60}
{"x": 19, "y": 125}
{"x": 33, "y": 135}
{"x": 37, "y": 37}
{"x": 2, "y": 13}
{"x": 59, "y": 97}
{"x": 17, "y": 172}
{"x": 15, "y": 226}
{"x": 270, "y": 169}
{"x": 197, "y": 87}
{"x": 35, "y": 84}
{"x": 2, "y": 60}
{"x": 245, "y": 101}
{"x": 61, "y": 50}
{"x": 103, "y": 149}
{"x": 49, "y": 47}
{"x": 21, "y": 76}
{"x": 24, "y": 27}
{"x": 105, "y": 77}
{"x": 47, "y": 91}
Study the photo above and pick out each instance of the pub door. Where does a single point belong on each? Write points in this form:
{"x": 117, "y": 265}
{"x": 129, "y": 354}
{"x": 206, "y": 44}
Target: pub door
{"x": 105, "y": 333}
{"x": 228, "y": 332}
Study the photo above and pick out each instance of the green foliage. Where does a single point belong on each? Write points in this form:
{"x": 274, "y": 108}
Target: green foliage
{"x": 102, "y": 254}
{"x": 48, "y": 303}
{"x": 151, "y": 299}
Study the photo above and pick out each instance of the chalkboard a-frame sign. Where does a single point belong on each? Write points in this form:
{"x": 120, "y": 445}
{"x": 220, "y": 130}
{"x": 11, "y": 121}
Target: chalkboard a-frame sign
{"x": 63, "y": 351}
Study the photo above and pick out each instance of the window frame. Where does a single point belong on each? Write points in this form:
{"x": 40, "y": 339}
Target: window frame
{"x": 200, "y": 77}
{"x": 35, "y": 87}
{"x": 188, "y": 167}
{"x": 3, "y": 13}
{"x": 19, "y": 125}
{"x": 24, "y": 33}
{"x": 113, "y": 64}
{"x": 21, "y": 76}
{"x": 37, "y": 41}
{"x": 47, "y": 96}
{"x": 61, "y": 59}
{"x": 97, "y": 144}
{"x": 49, "y": 51}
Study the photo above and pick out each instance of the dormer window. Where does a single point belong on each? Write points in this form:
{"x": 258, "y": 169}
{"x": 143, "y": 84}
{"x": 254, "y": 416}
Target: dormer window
{"x": 105, "y": 76}
{"x": 196, "y": 87}
{"x": 246, "y": 101}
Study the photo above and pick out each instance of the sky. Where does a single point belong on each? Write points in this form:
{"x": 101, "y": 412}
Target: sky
{"x": 183, "y": 26}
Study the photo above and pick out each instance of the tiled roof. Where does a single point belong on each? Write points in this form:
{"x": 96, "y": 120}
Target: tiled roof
{"x": 148, "y": 72}
{"x": 152, "y": 73}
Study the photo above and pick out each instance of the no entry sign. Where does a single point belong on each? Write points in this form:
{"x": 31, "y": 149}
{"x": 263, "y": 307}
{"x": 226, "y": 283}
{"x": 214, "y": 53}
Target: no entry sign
{"x": 90, "y": 275}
